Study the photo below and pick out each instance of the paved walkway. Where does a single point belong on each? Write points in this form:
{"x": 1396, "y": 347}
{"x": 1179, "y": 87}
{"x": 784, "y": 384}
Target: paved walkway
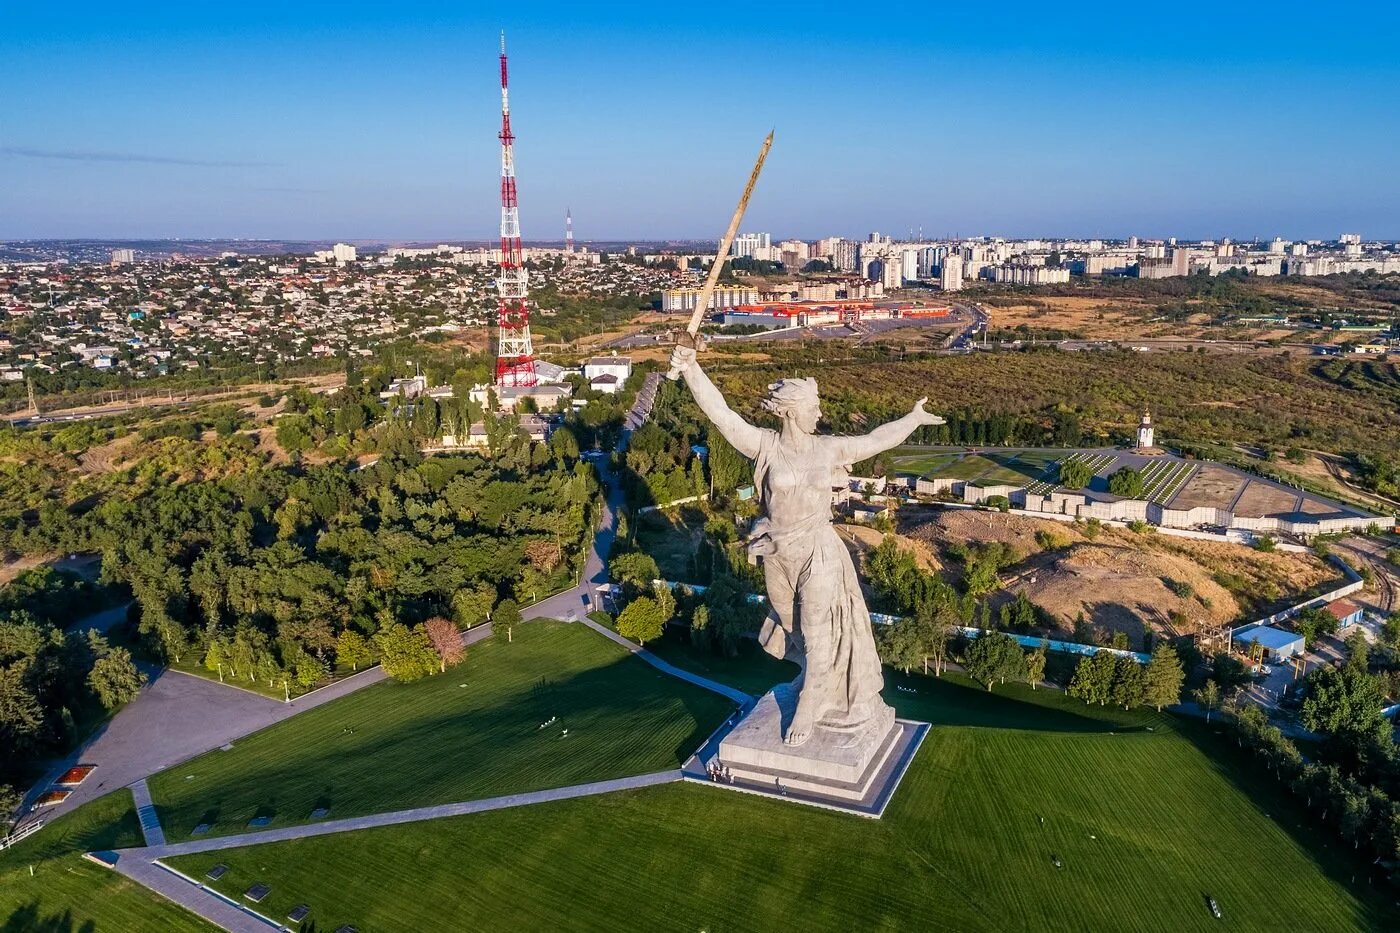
{"x": 577, "y": 602}
{"x": 415, "y": 815}
{"x": 738, "y": 696}
{"x": 178, "y": 716}
{"x": 194, "y": 897}
{"x": 146, "y": 813}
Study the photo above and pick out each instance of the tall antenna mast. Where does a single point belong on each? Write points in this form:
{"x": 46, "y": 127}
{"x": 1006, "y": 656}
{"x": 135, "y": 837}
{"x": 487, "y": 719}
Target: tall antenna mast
{"x": 515, "y": 356}
{"x": 568, "y": 230}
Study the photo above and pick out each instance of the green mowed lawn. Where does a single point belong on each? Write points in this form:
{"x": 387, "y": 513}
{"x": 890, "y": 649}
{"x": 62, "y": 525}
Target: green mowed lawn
{"x": 472, "y": 732}
{"x": 752, "y": 671}
{"x": 68, "y": 894}
{"x": 1145, "y": 825}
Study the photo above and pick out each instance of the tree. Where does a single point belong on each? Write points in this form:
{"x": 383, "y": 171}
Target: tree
{"x": 472, "y": 605}
{"x": 935, "y": 630}
{"x": 21, "y": 715}
{"x": 1346, "y": 702}
{"x": 1358, "y": 651}
{"x": 1207, "y": 697}
{"x": 505, "y": 619}
{"x": 899, "y": 644}
{"x": 446, "y": 640}
{"x": 1164, "y": 677}
{"x": 642, "y": 620}
{"x": 1035, "y": 665}
{"x": 353, "y": 648}
{"x": 307, "y": 670}
{"x": 405, "y": 654}
{"x": 115, "y": 679}
{"x": 1314, "y": 623}
{"x": 993, "y": 657}
{"x": 1126, "y": 483}
{"x": 1093, "y": 678}
{"x": 1075, "y": 474}
{"x": 634, "y": 568}
{"x": 1129, "y": 682}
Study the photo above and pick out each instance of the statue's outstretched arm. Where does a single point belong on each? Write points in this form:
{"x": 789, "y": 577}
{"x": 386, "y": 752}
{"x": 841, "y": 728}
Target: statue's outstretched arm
{"x": 888, "y": 435}
{"x": 738, "y": 432}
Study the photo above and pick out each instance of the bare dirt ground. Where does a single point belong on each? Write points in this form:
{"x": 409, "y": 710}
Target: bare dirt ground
{"x": 1094, "y": 318}
{"x": 861, "y": 540}
{"x": 1123, "y": 581}
{"x": 1262, "y": 499}
{"x": 108, "y": 457}
{"x": 1211, "y": 488}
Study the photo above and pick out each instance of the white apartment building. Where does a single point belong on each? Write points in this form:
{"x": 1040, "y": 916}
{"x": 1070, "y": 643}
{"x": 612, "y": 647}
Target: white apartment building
{"x": 950, "y": 277}
{"x": 751, "y": 245}
{"x": 343, "y": 252}
{"x": 684, "y": 300}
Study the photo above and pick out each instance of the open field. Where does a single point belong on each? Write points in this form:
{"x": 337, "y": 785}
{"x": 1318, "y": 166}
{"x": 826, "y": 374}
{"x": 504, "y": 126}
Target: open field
{"x": 753, "y": 671}
{"x": 472, "y": 732}
{"x": 68, "y": 894}
{"x": 1144, "y": 823}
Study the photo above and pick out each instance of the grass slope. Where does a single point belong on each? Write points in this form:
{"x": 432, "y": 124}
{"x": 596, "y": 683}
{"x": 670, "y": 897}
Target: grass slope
{"x": 1144, "y": 823}
{"x": 67, "y": 893}
{"x": 470, "y": 733}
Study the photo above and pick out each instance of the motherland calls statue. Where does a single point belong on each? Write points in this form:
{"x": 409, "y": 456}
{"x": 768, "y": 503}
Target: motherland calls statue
{"x": 817, "y": 615}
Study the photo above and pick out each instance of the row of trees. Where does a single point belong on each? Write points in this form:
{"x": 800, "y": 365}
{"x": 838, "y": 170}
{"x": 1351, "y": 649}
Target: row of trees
{"x": 1104, "y": 677}
{"x": 54, "y": 684}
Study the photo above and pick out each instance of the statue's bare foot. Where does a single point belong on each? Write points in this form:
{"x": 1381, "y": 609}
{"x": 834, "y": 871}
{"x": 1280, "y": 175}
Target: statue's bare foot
{"x": 804, "y": 720}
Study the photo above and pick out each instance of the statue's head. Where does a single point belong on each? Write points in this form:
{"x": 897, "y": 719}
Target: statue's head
{"x": 796, "y": 401}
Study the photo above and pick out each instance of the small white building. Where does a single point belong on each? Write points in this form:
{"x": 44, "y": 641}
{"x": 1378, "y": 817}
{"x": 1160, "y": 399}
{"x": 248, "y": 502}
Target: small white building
{"x": 617, "y": 366}
{"x": 408, "y": 387}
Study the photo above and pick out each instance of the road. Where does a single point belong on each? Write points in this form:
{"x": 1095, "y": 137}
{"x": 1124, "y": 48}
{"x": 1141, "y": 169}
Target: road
{"x": 1191, "y": 343}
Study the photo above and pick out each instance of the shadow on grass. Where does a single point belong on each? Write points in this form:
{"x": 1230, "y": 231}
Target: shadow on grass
{"x": 609, "y": 722}
{"x": 956, "y": 700}
{"x": 1347, "y": 867}
{"x": 28, "y": 919}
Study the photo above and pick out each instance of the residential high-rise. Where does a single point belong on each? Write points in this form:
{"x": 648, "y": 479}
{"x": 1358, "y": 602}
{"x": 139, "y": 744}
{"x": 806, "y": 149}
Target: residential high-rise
{"x": 122, "y": 256}
{"x": 343, "y": 252}
{"x": 515, "y": 355}
{"x": 950, "y": 274}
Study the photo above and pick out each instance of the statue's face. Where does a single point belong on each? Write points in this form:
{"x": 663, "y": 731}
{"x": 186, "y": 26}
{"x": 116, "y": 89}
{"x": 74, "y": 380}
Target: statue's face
{"x": 807, "y": 416}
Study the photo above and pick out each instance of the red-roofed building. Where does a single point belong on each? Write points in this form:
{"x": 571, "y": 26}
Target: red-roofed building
{"x": 1345, "y": 612}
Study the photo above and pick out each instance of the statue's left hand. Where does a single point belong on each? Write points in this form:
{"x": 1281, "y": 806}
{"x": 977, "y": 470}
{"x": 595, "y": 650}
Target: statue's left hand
{"x": 924, "y": 417}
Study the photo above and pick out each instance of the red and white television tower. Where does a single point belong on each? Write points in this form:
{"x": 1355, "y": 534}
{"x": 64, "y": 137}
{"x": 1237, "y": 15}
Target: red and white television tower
{"x": 568, "y": 230}
{"x": 515, "y": 356}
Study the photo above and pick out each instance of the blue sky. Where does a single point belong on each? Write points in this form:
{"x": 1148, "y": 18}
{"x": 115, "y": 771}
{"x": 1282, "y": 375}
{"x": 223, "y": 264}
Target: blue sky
{"x": 309, "y": 120}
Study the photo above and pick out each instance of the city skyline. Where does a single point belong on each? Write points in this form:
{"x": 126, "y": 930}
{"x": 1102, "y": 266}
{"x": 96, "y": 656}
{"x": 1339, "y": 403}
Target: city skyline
{"x": 359, "y": 125}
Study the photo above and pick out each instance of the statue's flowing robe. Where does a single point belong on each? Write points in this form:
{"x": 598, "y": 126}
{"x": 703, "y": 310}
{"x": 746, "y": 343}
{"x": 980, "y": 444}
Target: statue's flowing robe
{"x": 817, "y": 613}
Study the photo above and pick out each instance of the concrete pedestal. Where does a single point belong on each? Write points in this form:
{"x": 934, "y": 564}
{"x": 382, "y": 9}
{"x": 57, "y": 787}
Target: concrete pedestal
{"x": 856, "y": 772}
